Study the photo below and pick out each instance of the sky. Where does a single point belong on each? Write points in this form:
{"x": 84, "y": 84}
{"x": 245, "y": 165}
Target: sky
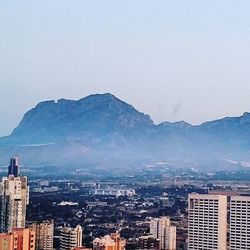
{"x": 174, "y": 60}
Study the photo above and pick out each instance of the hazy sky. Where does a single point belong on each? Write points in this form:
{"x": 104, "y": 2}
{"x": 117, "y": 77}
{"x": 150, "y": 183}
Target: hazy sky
{"x": 175, "y": 60}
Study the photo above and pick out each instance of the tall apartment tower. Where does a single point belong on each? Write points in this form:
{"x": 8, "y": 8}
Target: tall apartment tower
{"x": 161, "y": 228}
{"x": 44, "y": 235}
{"x": 71, "y": 238}
{"x": 240, "y": 223}
{"x": 14, "y": 197}
{"x": 207, "y": 222}
{"x": 13, "y": 167}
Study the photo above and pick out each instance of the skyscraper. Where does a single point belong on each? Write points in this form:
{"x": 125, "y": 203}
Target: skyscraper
{"x": 207, "y": 222}
{"x": 13, "y": 167}
{"x": 239, "y": 223}
{"x": 44, "y": 235}
{"x": 14, "y": 196}
{"x": 161, "y": 228}
{"x": 71, "y": 238}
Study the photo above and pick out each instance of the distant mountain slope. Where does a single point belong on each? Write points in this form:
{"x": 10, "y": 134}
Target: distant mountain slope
{"x": 102, "y": 128}
{"x": 95, "y": 115}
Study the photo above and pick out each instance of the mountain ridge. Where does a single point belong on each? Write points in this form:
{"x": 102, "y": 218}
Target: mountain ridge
{"x": 100, "y": 128}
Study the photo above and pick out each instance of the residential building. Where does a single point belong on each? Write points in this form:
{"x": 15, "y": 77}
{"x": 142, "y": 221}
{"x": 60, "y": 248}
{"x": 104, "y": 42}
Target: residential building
{"x": 104, "y": 243}
{"x": 18, "y": 239}
{"x": 71, "y": 238}
{"x": 240, "y": 222}
{"x": 109, "y": 242}
{"x": 119, "y": 242}
{"x": 161, "y": 228}
{"x": 44, "y": 234}
{"x": 6, "y": 241}
{"x": 14, "y": 197}
{"x": 207, "y": 222}
{"x": 149, "y": 242}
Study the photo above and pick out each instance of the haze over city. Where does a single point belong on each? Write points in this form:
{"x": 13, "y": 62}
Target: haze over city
{"x": 175, "y": 60}
{"x": 125, "y": 125}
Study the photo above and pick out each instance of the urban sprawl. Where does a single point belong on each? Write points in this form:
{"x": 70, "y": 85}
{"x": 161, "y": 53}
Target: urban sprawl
{"x": 151, "y": 208}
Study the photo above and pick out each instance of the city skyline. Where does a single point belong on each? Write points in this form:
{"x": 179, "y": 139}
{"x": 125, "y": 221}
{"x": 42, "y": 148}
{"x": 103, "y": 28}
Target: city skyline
{"x": 184, "y": 212}
{"x": 175, "y": 61}
{"x": 131, "y": 120}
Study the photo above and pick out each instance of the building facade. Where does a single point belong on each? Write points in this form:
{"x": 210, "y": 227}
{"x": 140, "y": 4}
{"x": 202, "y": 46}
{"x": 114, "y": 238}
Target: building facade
{"x": 18, "y": 239}
{"x": 44, "y": 235}
{"x": 239, "y": 223}
{"x": 207, "y": 222}
{"x": 161, "y": 228}
{"x": 14, "y": 197}
{"x": 71, "y": 238}
{"x": 149, "y": 242}
{"x": 109, "y": 242}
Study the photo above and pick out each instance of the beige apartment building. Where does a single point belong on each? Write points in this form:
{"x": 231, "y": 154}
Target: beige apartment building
{"x": 71, "y": 238}
{"x": 161, "y": 228}
{"x": 14, "y": 197}
{"x": 44, "y": 234}
{"x": 207, "y": 222}
{"x": 240, "y": 223}
{"x": 109, "y": 242}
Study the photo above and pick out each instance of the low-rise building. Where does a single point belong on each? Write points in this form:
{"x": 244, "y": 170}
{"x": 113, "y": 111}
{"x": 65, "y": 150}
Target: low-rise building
{"x": 149, "y": 242}
{"x": 109, "y": 242}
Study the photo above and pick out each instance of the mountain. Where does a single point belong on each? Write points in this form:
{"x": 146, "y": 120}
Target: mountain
{"x": 95, "y": 115}
{"x": 103, "y": 130}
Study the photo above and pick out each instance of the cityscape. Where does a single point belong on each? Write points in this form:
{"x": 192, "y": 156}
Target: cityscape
{"x": 160, "y": 209}
{"x": 124, "y": 125}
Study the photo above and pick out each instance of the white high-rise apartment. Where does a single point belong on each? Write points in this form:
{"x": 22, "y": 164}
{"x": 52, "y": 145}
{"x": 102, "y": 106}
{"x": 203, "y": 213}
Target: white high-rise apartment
{"x": 161, "y": 228}
{"x": 71, "y": 238}
{"x": 207, "y": 222}
{"x": 239, "y": 223}
{"x": 14, "y": 196}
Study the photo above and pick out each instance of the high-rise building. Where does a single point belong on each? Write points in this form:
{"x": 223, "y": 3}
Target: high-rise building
{"x": 161, "y": 228}
{"x": 18, "y": 239}
{"x": 14, "y": 196}
{"x": 44, "y": 234}
{"x": 6, "y": 241}
{"x": 13, "y": 167}
{"x": 71, "y": 238}
{"x": 207, "y": 222}
{"x": 240, "y": 223}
